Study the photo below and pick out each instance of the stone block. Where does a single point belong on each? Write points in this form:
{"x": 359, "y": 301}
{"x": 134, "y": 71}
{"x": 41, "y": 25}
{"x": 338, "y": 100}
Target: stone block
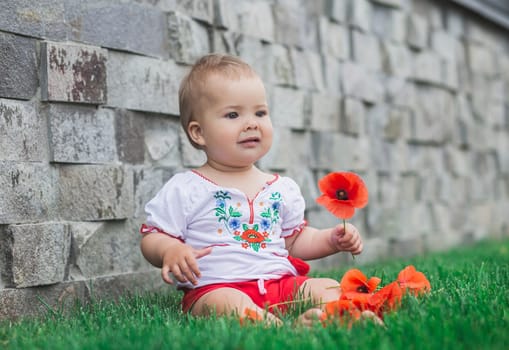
{"x": 39, "y": 19}
{"x": 337, "y": 10}
{"x": 281, "y": 71}
{"x": 375, "y": 250}
{"x": 332, "y": 68}
{"x": 397, "y": 125}
{"x": 40, "y": 253}
{"x": 162, "y": 141}
{"x": 417, "y": 31}
{"x": 481, "y": 59}
{"x": 130, "y": 136}
{"x": 80, "y": 134}
{"x": 397, "y": 60}
{"x": 366, "y": 51}
{"x": 357, "y": 82}
{"x": 400, "y": 92}
{"x": 360, "y": 14}
{"x": 325, "y": 112}
{"x": 406, "y": 247}
{"x": 334, "y": 39}
{"x": 299, "y": 158}
{"x": 427, "y": 68}
{"x": 73, "y": 73}
{"x": 143, "y": 83}
{"x": 94, "y": 192}
{"x": 129, "y": 284}
{"x": 288, "y": 107}
{"x": 428, "y": 124}
{"x": 294, "y": 27}
{"x": 18, "y": 65}
{"x": 353, "y": 117}
{"x": 105, "y": 248}
{"x": 443, "y": 43}
{"x": 389, "y": 3}
{"x": 277, "y": 159}
{"x": 450, "y": 75}
{"x": 244, "y": 17}
{"x": 23, "y": 134}
{"x": 202, "y": 10}
{"x": 26, "y": 302}
{"x": 327, "y": 150}
{"x": 27, "y": 192}
{"x": 125, "y": 26}
{"x": 255, "y": 53}
{"x": 308, "y": 70}
{"x": 188, "y": 39}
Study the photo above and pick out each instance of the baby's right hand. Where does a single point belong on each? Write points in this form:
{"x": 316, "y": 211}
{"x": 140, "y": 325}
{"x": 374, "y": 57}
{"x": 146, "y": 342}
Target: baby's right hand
{"x": 181, "y": 262}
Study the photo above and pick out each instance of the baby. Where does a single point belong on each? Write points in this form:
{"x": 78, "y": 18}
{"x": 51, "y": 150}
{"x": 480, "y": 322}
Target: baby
{"x": 230, "y": 234}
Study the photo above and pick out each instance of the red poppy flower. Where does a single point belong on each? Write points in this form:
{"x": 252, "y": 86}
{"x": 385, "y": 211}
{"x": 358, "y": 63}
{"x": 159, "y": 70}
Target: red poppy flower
{"x": 340, "y": 310}
{"x": 386, "y": 299}
{"x": 356, "y": 288}
{"x": 252, "y": 236}
{"x": 414, "y": 281}
{"x": 342, "y": 193}
{"x": 355, "y": 281}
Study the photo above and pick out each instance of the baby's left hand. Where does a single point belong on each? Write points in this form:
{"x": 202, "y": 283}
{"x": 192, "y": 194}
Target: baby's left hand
{"x": 347, "y": 241}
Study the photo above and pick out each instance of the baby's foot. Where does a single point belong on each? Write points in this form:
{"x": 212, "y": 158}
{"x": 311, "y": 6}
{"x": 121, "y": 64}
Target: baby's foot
{"x": 253, "y": 316}
{"x": 309, "y": 317}
{"x": 370, "y": 315}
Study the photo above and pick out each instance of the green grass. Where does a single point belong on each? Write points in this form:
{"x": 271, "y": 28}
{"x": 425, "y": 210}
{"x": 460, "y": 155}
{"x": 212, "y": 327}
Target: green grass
{"x": 468, "y": 308}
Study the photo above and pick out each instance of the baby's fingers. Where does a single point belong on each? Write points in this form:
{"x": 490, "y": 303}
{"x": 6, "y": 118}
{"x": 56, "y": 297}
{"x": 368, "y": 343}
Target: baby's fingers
{"x": 165, "y": 274}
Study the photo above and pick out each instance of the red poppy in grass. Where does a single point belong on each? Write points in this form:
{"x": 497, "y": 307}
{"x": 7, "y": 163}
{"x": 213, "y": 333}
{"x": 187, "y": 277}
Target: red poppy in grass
{"x": 355, "y": 281}
{"x": 340, "y": 310}
{"x": 357, "y": 288}
{"x": 414, "y": 281}
{"x": 386, "y": 299}
{"x": 342, "y": 193}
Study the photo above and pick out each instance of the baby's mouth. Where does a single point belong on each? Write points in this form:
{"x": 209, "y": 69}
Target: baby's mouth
{"x": 250, "y": 140}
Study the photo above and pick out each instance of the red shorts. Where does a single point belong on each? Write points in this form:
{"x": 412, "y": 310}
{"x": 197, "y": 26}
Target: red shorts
{"x": 277, "y": 291}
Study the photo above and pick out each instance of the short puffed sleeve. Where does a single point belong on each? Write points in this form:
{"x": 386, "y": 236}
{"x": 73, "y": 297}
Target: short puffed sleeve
{"x": 168, "y": 211}
{"x": 293, "y": 208}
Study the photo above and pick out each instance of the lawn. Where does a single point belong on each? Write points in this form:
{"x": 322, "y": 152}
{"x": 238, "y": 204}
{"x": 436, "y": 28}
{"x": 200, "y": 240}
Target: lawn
{"x": 468, "y": 308}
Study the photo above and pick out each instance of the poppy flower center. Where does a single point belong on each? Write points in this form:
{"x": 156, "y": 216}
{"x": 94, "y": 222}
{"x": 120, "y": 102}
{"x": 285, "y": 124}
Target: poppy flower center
{"x": 342, "y": 195}
{"x": 363, "y": 289}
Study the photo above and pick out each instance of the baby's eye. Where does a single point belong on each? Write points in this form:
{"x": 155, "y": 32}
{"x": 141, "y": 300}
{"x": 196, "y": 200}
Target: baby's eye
{"x": 231, "y": 115}
{"x": 261, "y": 113}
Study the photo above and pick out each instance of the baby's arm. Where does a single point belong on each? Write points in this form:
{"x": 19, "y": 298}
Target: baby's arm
{"x": 314, "y": 243}
{"x": 173, "y": 256}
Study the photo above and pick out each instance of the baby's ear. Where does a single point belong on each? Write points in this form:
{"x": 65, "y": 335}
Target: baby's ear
{"x": 195, "y": 133}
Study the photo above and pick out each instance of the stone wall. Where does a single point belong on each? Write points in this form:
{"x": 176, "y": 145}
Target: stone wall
{"x": 412, "y": 95}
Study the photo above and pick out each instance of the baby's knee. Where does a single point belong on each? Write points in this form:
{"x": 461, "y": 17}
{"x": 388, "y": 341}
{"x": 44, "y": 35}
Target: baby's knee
{"x": 323, "y": 289}
{"x": 222, "y": 301}
{"x": 324, "y": 282}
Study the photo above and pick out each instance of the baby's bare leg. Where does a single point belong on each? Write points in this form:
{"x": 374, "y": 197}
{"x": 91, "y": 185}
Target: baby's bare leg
{"x": 228, "y": 301}
{"x": 321, "y": 291}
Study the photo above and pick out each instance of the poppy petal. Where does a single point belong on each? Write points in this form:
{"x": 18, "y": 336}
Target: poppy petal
{"x": 413, "y": 280}
{"x": 352, "y": 280}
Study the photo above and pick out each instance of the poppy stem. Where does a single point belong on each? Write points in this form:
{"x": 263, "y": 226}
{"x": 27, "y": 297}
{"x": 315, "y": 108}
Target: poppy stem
{"x": 344, "y": 229}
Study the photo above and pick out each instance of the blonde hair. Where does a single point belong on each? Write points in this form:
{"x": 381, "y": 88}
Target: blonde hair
{"x": 194, "y": 82}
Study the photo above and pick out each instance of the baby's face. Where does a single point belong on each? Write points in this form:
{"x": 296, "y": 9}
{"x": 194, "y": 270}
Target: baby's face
{"x": 235, "y": 129}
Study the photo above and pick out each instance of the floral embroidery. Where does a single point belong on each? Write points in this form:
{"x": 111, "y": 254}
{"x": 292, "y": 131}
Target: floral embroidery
{"x": 228, "y": 215}
{"x": 254, "y": 236}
